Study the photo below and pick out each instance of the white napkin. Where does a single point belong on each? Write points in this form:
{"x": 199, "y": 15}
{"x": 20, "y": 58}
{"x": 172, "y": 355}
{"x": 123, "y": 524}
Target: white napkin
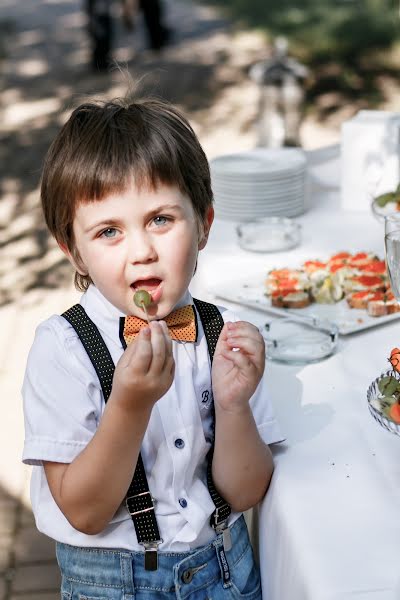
{"x": 370, "y": 153}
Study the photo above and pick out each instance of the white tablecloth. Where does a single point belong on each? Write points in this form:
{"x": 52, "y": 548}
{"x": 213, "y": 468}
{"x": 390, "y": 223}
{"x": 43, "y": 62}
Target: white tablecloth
{"x": 329, "y": 527}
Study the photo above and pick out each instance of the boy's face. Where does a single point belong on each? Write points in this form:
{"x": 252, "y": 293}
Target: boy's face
{"x": 140, "y": 239}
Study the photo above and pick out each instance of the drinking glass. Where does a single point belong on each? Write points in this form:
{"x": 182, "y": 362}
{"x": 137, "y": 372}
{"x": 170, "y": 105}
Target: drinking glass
{"x": 392, "y": 248}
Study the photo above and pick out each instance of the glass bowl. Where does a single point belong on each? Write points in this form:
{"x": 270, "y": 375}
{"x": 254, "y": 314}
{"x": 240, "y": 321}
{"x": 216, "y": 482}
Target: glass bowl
{"x": 269, "y": 234}
{"x": 300, "y": 341}
{"x": 373, "y": 395}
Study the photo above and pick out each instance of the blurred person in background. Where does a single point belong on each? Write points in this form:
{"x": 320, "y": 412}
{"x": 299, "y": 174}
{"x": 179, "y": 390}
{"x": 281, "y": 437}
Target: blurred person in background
{"x": 100, "y": 26}
{"x": 153, "y": 15}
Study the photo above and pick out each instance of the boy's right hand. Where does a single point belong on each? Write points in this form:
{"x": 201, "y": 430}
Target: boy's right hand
{"x": 146, "y": 369}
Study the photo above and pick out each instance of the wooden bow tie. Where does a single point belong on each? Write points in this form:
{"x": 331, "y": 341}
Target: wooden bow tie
{"x": 182, "y": 325}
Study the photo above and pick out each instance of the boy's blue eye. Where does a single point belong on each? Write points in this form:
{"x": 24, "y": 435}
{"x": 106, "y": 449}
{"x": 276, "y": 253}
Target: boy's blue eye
{"x": 110, "y": 232}
{"x": 160, "y": 220}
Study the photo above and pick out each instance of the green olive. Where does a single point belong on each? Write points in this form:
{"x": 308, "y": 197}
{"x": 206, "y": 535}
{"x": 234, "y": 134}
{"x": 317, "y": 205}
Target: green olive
{"x": 142, "y": 298}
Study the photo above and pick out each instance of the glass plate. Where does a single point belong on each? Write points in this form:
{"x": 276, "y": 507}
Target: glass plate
{"x": 299, "y": 341}
{"x": 270, "y": 234}
{"x": 373, "y": 393}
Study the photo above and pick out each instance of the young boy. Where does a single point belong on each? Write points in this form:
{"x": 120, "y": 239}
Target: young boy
{"x": 141, "y": 474}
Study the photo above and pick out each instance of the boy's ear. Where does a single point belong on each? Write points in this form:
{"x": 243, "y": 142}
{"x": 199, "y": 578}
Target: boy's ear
{"x": 74, "y": 258}
{"x": 206, "y": 227}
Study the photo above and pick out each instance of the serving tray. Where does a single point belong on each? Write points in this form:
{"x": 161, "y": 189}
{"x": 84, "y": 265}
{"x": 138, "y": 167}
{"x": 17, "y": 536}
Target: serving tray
{"x": 348, "y": 320}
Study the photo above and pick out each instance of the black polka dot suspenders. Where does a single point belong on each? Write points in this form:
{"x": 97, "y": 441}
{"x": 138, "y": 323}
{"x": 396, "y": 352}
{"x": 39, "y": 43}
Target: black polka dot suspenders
{"x": 139, "y": 502}
{"x": 212, "y": 324}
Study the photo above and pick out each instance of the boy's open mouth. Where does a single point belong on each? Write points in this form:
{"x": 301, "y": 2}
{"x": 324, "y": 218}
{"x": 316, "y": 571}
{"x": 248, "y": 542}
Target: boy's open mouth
{"x": 150, "y": 285}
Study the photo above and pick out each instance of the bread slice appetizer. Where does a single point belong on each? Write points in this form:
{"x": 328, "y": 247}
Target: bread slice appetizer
{"x": 277, "y": 298}
{"x": 373, "y": 283}
{"x": 296, "y": 300}
{"x": 290, "y": 299}
{"x": 380, "y": 304}
{"x": 359, "y": 299}
{"x": 362, "y": 258}
{"x": 376, "y": 306}
{"x": 374, "y": 267}
{"x": 310, "y": 266}
{"x": 340, "y": 256}
{"x": 286, "y": 280}
{"x": 392, "y": 305}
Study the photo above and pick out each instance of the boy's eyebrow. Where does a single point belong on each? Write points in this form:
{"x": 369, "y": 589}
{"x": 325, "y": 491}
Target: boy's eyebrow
{"x": 165, "y": 207}
{"x": 103, "y": 223}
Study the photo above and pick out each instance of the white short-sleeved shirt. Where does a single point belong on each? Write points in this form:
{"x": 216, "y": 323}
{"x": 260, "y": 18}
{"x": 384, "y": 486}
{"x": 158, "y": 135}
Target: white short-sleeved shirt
{"x": 63, "y": 404}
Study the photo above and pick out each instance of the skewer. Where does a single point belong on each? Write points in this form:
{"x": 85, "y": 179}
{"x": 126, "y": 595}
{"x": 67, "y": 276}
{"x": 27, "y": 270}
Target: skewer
{"x": 145, "y": 312}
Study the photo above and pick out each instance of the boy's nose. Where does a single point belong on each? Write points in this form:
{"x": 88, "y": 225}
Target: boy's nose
{"x": 141, "y": 249}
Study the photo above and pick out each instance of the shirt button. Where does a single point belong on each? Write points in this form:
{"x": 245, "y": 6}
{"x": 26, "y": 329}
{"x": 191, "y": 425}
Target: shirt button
{"x": 183, "y": 502}
{"x": 179, "y": 443}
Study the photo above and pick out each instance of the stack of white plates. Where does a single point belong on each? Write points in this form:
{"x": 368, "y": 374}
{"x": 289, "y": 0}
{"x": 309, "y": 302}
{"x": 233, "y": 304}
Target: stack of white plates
{"x": 264, "y": 182}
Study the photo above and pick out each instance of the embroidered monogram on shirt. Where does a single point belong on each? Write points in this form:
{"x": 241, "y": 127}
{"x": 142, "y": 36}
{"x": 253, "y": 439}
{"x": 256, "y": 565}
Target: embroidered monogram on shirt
{"x": 206, "y": 399}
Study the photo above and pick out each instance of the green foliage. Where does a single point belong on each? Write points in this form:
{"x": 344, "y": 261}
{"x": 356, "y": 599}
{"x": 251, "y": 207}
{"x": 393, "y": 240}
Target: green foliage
{"x": 343, "y": 42}
{"x": 319, "y": 29}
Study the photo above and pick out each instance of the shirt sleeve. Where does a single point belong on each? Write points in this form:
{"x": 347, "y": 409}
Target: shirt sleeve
{"x": 260, "y": 402}
{"x": 61, "y": 395}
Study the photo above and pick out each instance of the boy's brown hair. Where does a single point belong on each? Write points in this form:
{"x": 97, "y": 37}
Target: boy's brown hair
{"x": 104, "y": 144}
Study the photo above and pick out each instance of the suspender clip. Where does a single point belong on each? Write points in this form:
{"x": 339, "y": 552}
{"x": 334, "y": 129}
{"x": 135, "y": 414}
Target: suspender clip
{"x": 226, "y": 535}
{"x": 151, "y": 555}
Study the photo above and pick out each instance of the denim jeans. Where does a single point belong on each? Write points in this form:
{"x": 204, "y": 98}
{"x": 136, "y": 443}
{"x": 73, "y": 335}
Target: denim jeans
{"x": 205, "y": 573}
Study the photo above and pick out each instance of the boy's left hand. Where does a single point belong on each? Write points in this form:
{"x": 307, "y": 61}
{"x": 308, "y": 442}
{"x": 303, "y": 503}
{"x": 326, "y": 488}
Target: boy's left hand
{"x": 236, "y": 373}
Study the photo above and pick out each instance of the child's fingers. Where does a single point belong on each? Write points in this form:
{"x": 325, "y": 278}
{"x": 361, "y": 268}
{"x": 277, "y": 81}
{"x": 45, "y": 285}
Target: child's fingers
{"x": 159, "y": 347}
{"x": 243, "y": 328}
{"x": 139, "y": 353}
{"x": 252, "y": 346}
{"x": 240, "y": 360}
{"x": 239, "y": 328}
{"x": 163, "y": 358}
